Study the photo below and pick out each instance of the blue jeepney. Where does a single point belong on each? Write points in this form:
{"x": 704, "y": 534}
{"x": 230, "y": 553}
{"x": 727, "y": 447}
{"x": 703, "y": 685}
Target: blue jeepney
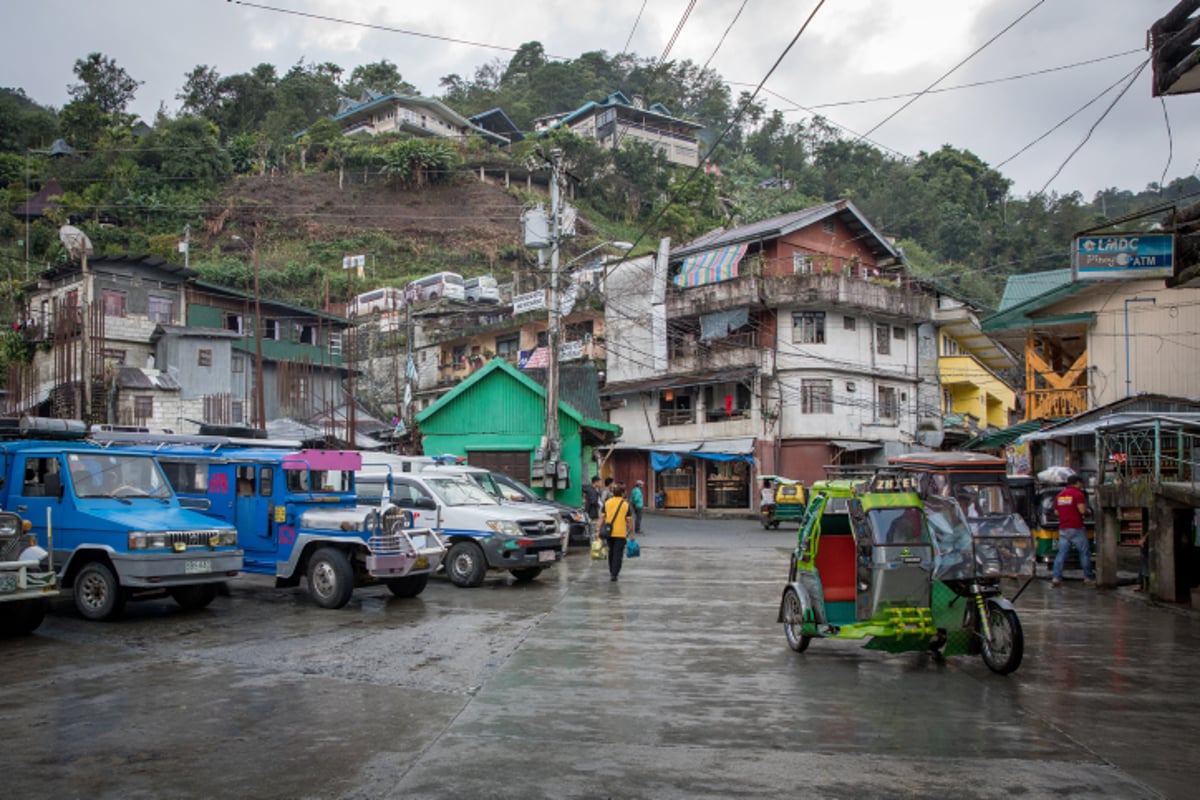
{"x": 111, "y": 522}
{"x": 296, "y": 514}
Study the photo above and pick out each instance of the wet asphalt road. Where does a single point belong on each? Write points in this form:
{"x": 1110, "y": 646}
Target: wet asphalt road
{"x": 675, "y": 682}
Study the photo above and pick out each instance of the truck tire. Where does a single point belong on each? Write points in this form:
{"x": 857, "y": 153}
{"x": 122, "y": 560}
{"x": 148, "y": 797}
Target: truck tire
{"x": 22, "y": 617}
{"x": 194, "y": 598}
{"x": 465, "y": 565}
{"x": 330, "y": 578}
{"x": 408, "y": 586}
{"x": 97, "y": 594}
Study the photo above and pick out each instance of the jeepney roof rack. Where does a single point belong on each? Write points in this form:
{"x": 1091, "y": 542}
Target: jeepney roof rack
{"x": 851, "y": 471}
{"x": 106, "y": 437}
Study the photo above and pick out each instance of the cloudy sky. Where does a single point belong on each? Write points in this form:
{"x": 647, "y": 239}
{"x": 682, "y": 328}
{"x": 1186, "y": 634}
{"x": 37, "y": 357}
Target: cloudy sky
{"x": 1024, "y": 114}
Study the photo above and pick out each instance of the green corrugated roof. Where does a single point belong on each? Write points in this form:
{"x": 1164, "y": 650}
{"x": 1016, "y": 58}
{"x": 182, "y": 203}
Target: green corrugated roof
{"x": 1023, "y": 288}
{"x": 993, "y": 440}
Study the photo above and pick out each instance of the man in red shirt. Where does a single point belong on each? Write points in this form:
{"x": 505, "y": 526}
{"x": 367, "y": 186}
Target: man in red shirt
{"x": 1071, "y": 505}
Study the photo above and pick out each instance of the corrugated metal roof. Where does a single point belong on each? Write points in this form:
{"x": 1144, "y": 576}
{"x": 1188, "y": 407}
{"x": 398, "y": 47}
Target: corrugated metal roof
{"x": 1023, "y": 288}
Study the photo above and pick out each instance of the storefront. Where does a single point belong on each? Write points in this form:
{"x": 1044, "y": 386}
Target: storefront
{"x": 715, "y": 474}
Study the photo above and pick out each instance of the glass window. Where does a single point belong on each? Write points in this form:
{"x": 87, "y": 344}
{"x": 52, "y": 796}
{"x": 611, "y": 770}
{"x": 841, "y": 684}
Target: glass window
{"x": 816, "y": 396}
{"x": 802, "y": 263}
{"x": 849, "y": 323}
{"x": 237, "y": 363}
{"x": 899, "y": 334}
{"x": 234, "y": 322}
{"x": 105, "y": 475}
{"x": 188, "y": 477}
{"x": 808, "y": 327}
{"x": 888, "y": 407}
{"x": 114, "y": 303}
{"x": 158, "y": 309}
{"x": 204, "y": 358}
{"x": 897, "y": 525}
{"x": 143, "y": 407}
{"x": 883, "y": 340}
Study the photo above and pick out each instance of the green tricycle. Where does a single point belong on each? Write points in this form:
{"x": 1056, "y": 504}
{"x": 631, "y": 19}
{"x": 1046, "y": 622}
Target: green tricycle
{"x": 875, "y": 563}
{"x": 788, "y": 501}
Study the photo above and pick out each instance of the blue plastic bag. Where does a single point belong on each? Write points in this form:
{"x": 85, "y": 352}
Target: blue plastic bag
{"x": 632, "y": 550}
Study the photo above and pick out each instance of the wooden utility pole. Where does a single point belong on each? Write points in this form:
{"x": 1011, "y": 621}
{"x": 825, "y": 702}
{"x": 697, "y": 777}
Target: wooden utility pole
{"x": 260, "y": 403}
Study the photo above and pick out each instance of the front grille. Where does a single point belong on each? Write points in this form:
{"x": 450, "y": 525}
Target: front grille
{"x": 190, "y": 538}
{"x": 11, "y": 546}
{"x": 537, "y": 527}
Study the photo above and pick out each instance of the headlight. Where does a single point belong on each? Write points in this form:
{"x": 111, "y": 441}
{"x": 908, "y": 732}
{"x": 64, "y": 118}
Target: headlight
{"x": 10, "y": 524}
{"x": 225, "y": 538}
{"x": 147, "y": 540}
{"x": 504, "y": 527}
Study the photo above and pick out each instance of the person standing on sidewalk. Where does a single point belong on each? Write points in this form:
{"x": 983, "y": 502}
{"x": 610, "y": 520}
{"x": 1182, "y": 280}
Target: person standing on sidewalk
{"x": 637, "y": 499}
{"x": 591, "y": 503}
{"x": 1071, "y": 505}
{"x": 617, "y": 518}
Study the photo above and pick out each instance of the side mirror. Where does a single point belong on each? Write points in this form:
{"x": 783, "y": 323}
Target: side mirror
{"x": 426, "y": 503}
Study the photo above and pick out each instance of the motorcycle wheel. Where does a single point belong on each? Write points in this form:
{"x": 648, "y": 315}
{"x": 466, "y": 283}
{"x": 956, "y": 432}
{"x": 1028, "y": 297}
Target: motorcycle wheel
{"x": 793, "y": 622}
{"x": 1003, "y": 651}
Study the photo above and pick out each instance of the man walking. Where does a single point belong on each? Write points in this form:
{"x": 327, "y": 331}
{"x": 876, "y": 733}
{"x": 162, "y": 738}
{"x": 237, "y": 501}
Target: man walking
{"x": 1071, "y": 505}
{"x": 637, "y": 499}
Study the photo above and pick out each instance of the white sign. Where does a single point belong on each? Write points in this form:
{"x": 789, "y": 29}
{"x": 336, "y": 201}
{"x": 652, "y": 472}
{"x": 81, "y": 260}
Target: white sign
{"x": 530, "y": 301}
{"x": 569, "y": 351}
{"x": 350, "y": 262}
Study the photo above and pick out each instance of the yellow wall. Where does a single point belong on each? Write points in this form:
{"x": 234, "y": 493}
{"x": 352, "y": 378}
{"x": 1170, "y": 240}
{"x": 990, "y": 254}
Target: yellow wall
{"x": 975, "y": 390}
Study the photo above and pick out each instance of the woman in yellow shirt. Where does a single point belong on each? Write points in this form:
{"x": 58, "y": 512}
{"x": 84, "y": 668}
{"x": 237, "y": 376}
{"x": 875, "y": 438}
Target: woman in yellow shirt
{"x": 617, "y": 514}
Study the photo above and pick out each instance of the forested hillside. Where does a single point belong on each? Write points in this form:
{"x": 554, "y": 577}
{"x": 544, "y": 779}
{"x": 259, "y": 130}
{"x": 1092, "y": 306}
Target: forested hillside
{"x": 231, "y": 159}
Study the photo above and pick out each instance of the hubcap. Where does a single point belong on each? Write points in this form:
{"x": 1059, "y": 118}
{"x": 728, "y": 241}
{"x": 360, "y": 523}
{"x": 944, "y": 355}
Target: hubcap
{"x": 93, "y": 591}
{"x": 323, "y": 580}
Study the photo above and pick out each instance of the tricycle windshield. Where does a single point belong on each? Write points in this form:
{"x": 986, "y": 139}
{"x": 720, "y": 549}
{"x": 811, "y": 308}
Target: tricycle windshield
{"x": 116, "y": 476}
{"x": 952, "y": 544}
{"x": 897, "y": 525}
{"x": 984, "y": 499}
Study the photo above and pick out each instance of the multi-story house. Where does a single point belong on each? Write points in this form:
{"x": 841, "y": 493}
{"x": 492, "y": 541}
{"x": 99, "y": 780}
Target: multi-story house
{"x": 616, "y": 120}
{"x": 154, "y": 347}
{"x": 376, "y": 113}
{"x": 773, "y": 348}
{"x": 973, "y": 370}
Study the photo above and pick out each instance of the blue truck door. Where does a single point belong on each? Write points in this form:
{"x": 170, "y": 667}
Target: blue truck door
{"x": 42, "y": 487}
{"x": 232, "y": 489}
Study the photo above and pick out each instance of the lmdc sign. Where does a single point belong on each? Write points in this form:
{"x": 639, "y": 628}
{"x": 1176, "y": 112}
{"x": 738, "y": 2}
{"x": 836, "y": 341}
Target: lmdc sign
{"x": 1123, "y": 255}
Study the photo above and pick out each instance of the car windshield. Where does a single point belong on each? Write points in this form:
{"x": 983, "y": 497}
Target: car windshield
{"x": 120, "y": 476}
{"x": 461, "y": 492}
{"x": 515, "y": 490}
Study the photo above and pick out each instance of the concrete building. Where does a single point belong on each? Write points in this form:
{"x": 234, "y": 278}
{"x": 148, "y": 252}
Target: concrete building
{"x": 617, "y": 119}
{"x": 376, "y": 113}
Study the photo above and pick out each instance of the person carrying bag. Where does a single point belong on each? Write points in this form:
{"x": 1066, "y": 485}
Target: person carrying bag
{"x": 616, "y": 526}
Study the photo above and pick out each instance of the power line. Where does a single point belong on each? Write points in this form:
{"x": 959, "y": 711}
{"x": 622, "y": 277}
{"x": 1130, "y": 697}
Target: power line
{"x": 629, "y": 39}
{"x": 953, "y": 69}
{"x": 728, "y": 28}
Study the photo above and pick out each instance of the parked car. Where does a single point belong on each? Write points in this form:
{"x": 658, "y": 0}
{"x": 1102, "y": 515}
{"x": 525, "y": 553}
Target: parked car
{"x": 481, "y": 534}
{"x": 513, "y": 491}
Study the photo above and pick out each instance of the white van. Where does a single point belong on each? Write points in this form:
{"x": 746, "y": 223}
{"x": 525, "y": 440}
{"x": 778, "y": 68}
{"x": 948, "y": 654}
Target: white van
{"x": 434, "y": 287}
{"x": 376, "y": 301}
{"x": 479, "y": 532}
{"x": 483, "y": 289}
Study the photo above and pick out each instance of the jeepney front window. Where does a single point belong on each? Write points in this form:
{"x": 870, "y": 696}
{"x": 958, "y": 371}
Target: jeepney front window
{"x": 320, "y": 481}
{"x": 188, "y": 477}
{"x": 117, "y": 476}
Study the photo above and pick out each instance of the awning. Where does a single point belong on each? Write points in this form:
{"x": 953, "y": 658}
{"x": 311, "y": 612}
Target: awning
{"x": 734, "y": 447}
{"x": 1120, "y": 420}
{"x": 991, "y": 440}
{"x": 852, "y": 446}
{"x": 711, "y": 266}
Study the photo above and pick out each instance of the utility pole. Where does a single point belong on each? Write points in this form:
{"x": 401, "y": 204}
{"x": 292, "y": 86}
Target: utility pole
{"x": 260, "y": 403}
{"x": 553, "y": 445}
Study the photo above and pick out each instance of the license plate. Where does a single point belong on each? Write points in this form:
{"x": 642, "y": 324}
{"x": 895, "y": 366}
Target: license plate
{"x": 8, "y": 583}
{"x": 197, "y": 566}
{"x": 545, "y": 555}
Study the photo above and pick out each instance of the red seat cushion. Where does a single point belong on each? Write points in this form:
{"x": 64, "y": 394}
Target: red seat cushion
{"x": 835, "y": 565}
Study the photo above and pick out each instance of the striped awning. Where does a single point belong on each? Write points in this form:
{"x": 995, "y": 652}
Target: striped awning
{"x": 711, "y": 266}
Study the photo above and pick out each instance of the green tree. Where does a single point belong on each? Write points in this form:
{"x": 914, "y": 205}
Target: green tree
{"x": 380, "y": 76}
{"x": 201, "y": 93}
{"x": 192, "y": 149}
{"x": 23, "y": 123}
{"x": 103, "y": 83}
{"x": 81, "y": 123}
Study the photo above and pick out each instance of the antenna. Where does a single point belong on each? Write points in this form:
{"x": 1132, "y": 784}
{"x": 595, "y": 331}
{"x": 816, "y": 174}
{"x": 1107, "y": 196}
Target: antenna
{"x": 76, "y": 242}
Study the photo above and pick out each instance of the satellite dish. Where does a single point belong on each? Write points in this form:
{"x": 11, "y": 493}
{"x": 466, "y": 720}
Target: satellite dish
{"x": 76, "y": 242}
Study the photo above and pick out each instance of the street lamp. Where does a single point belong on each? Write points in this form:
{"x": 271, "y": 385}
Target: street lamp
{"x": 1129, "y": 300}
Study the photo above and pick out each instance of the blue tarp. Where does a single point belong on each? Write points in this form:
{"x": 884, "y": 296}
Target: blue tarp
{"x": 661, "y": 461}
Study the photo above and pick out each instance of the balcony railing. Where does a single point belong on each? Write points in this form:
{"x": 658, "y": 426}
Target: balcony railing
{"x": 676, "y": 417}
{"x": 890, "y": 297}
{"x": 1056, "y": 403}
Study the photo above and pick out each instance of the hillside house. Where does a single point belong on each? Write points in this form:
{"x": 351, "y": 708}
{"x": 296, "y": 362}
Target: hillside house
{"x": 617, "y": 119}
{"x": 777, "y": 347}
{"x": 375, "y": 113}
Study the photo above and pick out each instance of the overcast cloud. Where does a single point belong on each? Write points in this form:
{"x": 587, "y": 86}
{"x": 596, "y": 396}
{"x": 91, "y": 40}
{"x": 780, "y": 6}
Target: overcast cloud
{"x": 852, "y": 50}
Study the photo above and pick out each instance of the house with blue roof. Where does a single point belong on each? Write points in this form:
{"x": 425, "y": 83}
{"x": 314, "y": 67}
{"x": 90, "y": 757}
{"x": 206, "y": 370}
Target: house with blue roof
{"x": 375, "y": 113}
{"x": 617, "y": 119}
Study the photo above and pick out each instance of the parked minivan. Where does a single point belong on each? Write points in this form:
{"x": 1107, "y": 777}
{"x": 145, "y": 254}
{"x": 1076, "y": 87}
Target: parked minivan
{"x": 433, "y": 287}
{"x": 376, "y": 301}
{"x": 482, "y": 289}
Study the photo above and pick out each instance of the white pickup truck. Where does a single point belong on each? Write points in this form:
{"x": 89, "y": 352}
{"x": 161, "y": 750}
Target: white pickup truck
{"x": 479, "y": 532}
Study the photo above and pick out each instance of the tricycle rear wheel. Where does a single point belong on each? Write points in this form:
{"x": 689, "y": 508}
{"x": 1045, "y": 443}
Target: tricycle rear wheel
{"x": 793, "y": 622}
{"x": 1003, "y": 650}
